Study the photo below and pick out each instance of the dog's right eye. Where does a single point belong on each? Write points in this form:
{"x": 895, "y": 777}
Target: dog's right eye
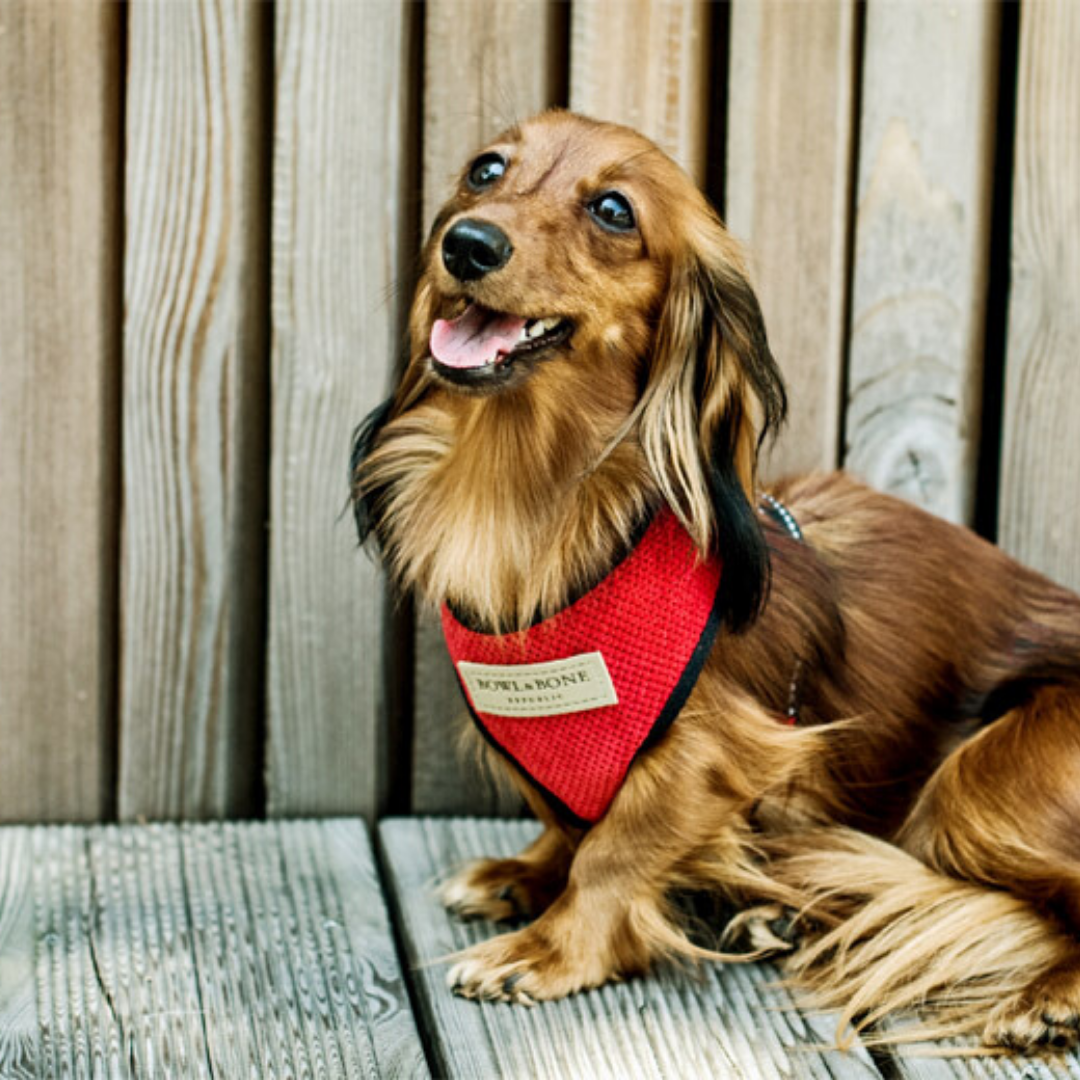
{"x": 612, "y": 211}
{"x": 485, "y": 170}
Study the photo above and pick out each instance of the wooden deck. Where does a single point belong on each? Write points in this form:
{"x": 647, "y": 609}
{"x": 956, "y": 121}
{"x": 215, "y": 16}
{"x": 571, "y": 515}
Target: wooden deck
{"x": 266, "y": 950}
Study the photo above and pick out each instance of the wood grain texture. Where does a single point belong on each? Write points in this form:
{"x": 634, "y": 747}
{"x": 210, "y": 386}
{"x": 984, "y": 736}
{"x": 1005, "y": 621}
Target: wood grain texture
{"x": 917, "y": 1063}
{"x": 338, "y": 251}
{"x": 921, "y": 247}
{"x": 923, "y": 1061}
{"x": 645, "y": 63}
{"x": 19, "y": 1038}
{"x": 59, "y": 381}
{"x": 488, "y": 64}
{"x": 724, "y": 1022}
{"x": 194, "y": 411}
{"x": 199, "y": 951}
{"x": 1041, "y": 446}
{"x": 506, "y": 67}
{"x": 790, "y": 150}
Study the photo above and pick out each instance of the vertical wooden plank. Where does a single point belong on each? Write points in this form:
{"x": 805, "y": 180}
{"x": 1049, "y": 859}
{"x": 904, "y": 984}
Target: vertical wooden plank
{"x": 505, "y": 67}
{"x": 59, "y": 312}
{"x": 921, "y": 244}
{"x": 194, "y": 389}
{"x": 1039, "y": 520}
{"x": 645, "y": 63}
{"x": 340, "y": 226}
{"x": 788, "y": 193}
{"x": 487, "y": 65}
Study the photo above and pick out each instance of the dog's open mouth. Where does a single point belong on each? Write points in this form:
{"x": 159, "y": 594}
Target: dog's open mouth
{"x": 480, "y": 342}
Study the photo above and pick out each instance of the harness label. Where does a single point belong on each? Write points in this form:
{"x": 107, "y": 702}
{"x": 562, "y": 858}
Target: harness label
{"x": 554, "y": 688}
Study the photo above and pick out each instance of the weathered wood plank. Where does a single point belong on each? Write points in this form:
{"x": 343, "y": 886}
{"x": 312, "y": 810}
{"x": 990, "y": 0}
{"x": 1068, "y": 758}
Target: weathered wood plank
{"x": 194, "y": 410}
{"x": 294, "y": 955}
{"x": 81, "y": 1031}
{"x": 921, "y": 244}
{"x": 645, "y": 63}
{"x": 259, "y": 951}
{"x": 59, "y": 380}
{"x": 340, "y": 227}
{"x": 916, "y": 1062}
{"x": 1041, "y": 452}
{"x": 727, "y": 1022}
{"x": 506, "y": 67}
{"x": 487, "y": 65}
{"x": 790, "y": 147}
{"x": 19, "y": 1031}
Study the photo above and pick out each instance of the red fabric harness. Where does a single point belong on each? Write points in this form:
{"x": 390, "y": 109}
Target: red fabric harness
{"x": 653, "y": 620}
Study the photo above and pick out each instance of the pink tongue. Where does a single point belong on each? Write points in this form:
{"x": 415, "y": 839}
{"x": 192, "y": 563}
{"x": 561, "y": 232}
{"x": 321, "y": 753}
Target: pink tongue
{"x": 474, "y": 338}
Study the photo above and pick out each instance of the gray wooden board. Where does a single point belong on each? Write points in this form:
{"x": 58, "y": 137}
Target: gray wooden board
{"x": 340, "y": 222}
{"x": 1038, "y": 519}
{"x": 726, "y": 1021}
{"x": 18, "y": 1009}
{"x": 917, "y": 1061}
{"x": 922, "y": 231}
{"x": 235, "y": 951}
{"x": 193, "y": 423}
{"x": 60, "y": 219}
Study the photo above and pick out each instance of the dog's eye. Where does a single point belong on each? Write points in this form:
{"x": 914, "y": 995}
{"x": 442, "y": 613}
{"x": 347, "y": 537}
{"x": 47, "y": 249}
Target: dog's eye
{"x": 485, "y": 170}
{"x": 612, "y": 211}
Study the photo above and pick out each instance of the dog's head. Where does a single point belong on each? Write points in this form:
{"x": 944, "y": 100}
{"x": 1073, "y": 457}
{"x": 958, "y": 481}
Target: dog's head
{"x": 577, "y": 265}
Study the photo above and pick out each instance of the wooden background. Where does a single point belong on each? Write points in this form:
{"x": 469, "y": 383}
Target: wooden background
{"x": 209, "y": 212}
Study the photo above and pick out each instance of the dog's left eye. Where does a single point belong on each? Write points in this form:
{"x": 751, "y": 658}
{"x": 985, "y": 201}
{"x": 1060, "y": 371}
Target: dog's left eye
{"x": 612, "y": 211}
{"x": 485, "y": 170}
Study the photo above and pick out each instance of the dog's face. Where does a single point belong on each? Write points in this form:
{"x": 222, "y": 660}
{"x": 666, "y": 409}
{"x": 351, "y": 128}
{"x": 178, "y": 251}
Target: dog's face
{"x": 578, "y": 293}
{"x": 556, "y": 246}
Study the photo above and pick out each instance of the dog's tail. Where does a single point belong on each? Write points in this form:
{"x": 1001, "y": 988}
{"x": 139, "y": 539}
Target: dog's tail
{"x": 890, "y": 936}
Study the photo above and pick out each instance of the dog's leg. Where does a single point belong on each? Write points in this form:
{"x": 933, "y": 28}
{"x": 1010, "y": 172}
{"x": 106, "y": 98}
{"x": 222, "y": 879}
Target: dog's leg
{"x": 682, "y": 806}
{"x": 517, "y": 888}
{"x": 1004, "y": 810}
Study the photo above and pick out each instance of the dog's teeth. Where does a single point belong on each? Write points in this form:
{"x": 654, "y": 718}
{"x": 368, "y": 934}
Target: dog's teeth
{"x": 535, "y": 327}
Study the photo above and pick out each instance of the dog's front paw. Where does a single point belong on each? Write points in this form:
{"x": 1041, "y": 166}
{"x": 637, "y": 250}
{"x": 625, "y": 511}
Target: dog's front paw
{"x": 1045, "y": 1016}
{"x": 502, "y": 890}
{"x": 763, "y": 931}
{"x": 523, "y": 967}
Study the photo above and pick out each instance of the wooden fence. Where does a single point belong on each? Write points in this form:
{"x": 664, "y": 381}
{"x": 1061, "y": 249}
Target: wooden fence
{"x": 209, "y": 211}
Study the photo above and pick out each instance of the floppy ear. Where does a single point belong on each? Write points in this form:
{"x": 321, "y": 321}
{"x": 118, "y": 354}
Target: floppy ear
{"x": 714, "y": 392}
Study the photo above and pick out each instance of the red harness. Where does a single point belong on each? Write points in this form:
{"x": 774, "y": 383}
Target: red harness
{"x": 570, "y": 721}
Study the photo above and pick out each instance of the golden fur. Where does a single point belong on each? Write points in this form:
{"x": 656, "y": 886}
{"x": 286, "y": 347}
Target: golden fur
{"x": 923, "y": 820}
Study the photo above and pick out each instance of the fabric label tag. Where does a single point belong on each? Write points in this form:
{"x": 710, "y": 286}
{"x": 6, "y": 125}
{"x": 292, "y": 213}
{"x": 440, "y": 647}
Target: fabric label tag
{"x": 554, "y": 688}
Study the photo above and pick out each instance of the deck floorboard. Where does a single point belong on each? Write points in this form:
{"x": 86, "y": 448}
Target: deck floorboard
{"x": 727, "y": 1021}
{"x": 227, "y": 951}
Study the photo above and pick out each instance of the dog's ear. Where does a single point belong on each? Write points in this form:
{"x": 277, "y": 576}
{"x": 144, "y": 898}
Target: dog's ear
{"x": 714, "y": 392}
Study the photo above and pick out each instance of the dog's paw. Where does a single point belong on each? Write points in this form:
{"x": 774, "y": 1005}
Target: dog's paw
{"x": 522, "y": 967}
{"x": 1045, "y": 1016}
{"x": 502, "y": 890}
{"x": 764, "y": 930}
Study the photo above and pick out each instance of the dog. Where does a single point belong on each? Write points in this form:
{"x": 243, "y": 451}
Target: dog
{"x": 863, "y": 725}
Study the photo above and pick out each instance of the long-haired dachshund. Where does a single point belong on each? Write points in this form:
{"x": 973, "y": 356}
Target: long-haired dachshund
{"x": 821, "y": 702}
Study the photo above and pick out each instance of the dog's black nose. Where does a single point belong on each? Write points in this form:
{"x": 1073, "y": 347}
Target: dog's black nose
{"x": 472, "y": 249}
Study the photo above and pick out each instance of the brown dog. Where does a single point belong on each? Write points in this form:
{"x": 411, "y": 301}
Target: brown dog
{"x": 585, "y": 351}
